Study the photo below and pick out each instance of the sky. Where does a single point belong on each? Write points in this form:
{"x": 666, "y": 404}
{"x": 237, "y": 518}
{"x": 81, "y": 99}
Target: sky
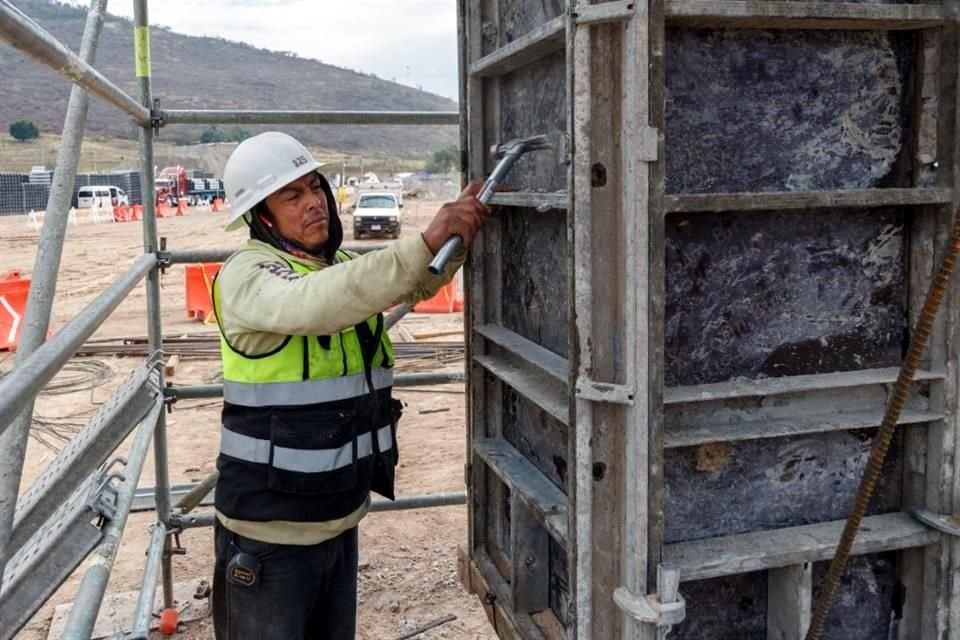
{"x": 413, "y": 42}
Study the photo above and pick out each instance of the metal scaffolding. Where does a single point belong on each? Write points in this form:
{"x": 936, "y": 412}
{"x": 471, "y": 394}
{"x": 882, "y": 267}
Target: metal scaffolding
{"x": 50, "y": 530}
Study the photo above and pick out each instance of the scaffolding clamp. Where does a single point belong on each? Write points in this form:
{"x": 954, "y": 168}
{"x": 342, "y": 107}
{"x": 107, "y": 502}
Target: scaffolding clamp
{"x": 164, "y": 258}
{"x": 170, "y": 396}
{"x": 663, "y": 609}
{"x": 157, "y": 117}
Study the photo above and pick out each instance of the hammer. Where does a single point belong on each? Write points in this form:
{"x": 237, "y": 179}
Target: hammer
{"x": 510, "y": 151}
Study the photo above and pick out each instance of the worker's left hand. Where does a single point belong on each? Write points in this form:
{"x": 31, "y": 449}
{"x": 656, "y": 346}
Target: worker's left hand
{"x": 463, "y": 217}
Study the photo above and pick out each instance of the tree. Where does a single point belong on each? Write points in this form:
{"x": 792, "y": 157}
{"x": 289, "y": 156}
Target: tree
{"x": 213, "y": 135}
{"x": 24, "y": 130}
{"x": 444, "y": 160}
{"x": 239, "y": 135}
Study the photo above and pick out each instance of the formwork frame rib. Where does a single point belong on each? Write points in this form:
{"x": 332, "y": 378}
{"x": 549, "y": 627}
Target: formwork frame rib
{"x": 37, "y": 367}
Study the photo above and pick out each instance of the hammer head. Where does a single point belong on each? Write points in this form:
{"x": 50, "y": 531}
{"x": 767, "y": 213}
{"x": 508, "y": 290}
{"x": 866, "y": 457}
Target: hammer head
{"x": 520, "y": 145}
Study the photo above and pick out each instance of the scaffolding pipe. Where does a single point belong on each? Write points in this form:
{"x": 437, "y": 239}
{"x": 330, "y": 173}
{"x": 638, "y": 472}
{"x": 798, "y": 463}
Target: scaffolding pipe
{"x": 143, "y": 614}
{"x": 83, "y": 615}
{"x": 200, "y": 391}
{"x": 195, "y": 496}
{"x": 141, "y": 41}
{"x": 216, "y": 116}
{"x": 396, "y": 315}
{"x": 46, "y": 265}
{"x": 22, "y": 33}
{"x": 196, "y": 256}
{"x": 403, "y": 503}
{"x": 25, "y": 382}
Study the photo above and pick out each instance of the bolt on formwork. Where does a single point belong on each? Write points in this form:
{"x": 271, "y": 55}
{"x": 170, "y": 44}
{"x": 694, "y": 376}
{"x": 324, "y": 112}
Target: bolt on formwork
{"x": 47, "y": 532}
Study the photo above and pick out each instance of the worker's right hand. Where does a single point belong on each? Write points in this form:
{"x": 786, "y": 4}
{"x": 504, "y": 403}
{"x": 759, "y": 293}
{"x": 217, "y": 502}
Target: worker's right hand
{"x": 463, "y": 217}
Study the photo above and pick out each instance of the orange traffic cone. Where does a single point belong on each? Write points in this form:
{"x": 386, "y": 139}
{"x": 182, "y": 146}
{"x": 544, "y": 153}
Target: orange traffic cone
{"x": 217, "y": 205}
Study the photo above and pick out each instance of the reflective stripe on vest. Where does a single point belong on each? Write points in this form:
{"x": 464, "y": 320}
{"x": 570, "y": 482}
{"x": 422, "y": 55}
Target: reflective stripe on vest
{"x": 266, "y": 394}
{"x": 256, "y": 450}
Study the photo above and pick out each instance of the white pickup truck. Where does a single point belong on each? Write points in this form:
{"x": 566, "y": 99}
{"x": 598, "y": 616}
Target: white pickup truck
{"x": 377, "y": 212}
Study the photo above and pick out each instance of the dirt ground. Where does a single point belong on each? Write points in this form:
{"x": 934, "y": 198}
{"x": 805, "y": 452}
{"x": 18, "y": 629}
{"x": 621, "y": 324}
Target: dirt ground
{"x": 411, "y": 578}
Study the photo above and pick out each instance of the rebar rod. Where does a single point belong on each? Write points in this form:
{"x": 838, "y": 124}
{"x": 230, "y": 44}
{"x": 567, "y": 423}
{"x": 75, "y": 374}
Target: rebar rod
{"x": 43, "y": 287}
{"x": 217, "y": 116}
{"x": 89, "y": 597}
{"x": 25, "y": 35}
{"x": 881, "y": 443}
{"x": 26, "y": 381}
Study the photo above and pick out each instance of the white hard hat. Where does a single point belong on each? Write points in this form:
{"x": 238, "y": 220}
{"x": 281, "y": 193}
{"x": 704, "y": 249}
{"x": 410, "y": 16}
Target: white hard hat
{"x": 259, "y": 166}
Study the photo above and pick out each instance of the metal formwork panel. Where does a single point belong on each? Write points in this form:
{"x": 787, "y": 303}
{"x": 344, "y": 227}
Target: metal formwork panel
{"x": 690, "y": 359}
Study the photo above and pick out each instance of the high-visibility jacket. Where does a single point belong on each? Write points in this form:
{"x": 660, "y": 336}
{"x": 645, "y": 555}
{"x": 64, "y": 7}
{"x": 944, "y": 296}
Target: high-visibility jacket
{"x": 309, "y": 429}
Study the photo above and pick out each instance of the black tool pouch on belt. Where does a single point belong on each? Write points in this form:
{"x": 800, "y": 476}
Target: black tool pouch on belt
{"x": 378, "y": 416}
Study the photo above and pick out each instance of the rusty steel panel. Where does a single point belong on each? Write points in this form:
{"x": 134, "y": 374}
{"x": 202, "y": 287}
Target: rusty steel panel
{"x": 779, "y": 294}
{"x": 774, "y": 483}
{"x": 785, "y": 110}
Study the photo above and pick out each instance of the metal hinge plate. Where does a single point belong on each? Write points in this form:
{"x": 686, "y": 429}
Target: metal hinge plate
{"x": 649, "y": 610}
{"x": 948, "y": 524}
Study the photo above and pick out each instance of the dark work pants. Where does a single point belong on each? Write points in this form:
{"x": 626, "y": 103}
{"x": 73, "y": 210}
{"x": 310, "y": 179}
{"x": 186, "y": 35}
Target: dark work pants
{"x": 307, "y": 592}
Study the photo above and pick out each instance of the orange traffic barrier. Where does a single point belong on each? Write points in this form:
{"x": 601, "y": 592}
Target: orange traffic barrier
{"x": 217, "y": 205}
{"x": 138, "y": 212}
{"x": 122, "y": 213}
{"x": 13, "y": 303}
{"x": 181, "y": 207}
{"x": 448, "y": 300}
{"x": 164, "y": 210}
{"x": 199, "y": 290}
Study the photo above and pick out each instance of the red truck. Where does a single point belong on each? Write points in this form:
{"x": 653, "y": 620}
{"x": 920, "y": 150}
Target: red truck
{"x": 174, "y": 183}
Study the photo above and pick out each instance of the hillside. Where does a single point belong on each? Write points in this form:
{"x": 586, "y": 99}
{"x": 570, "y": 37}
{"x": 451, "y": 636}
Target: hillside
{"x": 211, "y": 73}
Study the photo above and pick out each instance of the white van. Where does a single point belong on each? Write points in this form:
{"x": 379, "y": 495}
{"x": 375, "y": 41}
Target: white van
{"x": 101, "y": 197}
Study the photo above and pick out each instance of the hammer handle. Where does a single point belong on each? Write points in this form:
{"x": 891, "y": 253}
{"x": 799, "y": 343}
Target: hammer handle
{"x": 452, "y": 245}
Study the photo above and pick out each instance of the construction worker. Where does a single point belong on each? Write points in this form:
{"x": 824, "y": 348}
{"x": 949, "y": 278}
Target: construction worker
{"x": 309, "y": 425}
